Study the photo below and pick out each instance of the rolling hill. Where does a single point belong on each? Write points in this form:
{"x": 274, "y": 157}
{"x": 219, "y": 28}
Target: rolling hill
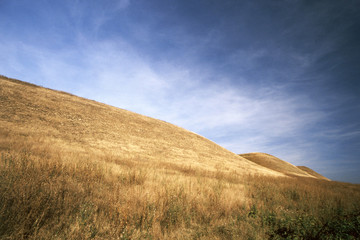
{"x": 312, "y": 172}
{"x": 276, "y": 164}
{"x": 73, "y": 168}
{"x": 73, "y": 125}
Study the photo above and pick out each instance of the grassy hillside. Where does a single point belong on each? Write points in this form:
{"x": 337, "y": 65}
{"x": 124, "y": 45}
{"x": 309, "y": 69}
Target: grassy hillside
{"x": 72, "y": 168}
{"x": 312, "y": 172}
{"x": 73, "y": 125}
{"x": 276, "y": 164}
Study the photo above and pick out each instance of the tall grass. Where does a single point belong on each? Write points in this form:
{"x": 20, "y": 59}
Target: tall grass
{"x": 49, "y": 198}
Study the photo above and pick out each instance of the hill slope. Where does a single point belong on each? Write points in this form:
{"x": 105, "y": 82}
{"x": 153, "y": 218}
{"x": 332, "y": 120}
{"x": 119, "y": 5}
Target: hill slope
{"x": 312, "y": 172}
{"x": 276, "y": 164}
{"x": 73, "y": 125}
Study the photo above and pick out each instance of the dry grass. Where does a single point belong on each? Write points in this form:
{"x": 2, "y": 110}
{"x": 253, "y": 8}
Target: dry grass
{"x": 76, "y": 169}
{"x": 53, "y": 198}
{"x": 43, "y": 198}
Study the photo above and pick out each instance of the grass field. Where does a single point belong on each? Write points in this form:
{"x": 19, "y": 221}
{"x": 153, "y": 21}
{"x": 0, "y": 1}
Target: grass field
{"x": 45, "y": 198}
{"x": 73, "y": 168}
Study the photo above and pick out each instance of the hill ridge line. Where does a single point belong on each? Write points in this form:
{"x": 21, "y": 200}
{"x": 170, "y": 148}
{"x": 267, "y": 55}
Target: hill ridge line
{"x": 194, "y": 149}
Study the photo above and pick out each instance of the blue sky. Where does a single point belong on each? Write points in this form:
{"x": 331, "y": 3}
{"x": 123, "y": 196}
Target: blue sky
{"x": 280, "y": 77}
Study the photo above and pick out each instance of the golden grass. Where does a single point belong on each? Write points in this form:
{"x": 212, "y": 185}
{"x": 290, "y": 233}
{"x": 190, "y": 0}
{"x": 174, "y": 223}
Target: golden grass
{"x": 84, "y": 198}
{"x": 49, "y": 198}
{"x": 72, "y": 168}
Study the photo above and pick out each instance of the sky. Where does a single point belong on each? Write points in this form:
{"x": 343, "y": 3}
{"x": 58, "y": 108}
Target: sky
{"x": 280, "y": 77}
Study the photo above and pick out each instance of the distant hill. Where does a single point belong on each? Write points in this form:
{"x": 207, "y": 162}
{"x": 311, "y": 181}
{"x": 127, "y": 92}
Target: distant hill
{"x": 312, "y": 172}
{"x": 276, "y": 164}
{"x": 71, "y": 125}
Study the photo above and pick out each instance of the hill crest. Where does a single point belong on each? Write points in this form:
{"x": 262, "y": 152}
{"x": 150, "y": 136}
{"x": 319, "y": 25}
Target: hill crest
{"x": 74, "y": 125}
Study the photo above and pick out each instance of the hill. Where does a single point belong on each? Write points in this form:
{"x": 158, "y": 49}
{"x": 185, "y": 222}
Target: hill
{"x": 73, "y": 125}
{"x": 276, "y": 164}
{"x": 312, "y": 172}
{"x": 72, "y": 168}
